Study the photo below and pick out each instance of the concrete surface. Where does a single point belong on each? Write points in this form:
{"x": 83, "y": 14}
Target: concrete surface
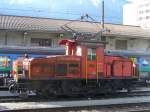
{"x": 6, "y": 93}
{"x": 60, "y": 104}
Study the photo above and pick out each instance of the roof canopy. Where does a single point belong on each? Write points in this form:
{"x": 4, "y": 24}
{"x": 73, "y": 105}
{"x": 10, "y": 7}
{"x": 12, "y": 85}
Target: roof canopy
{"x": 19, "y": 23}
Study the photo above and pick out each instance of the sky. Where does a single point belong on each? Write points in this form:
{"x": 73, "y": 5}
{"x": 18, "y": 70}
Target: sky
{"x": 64, "y": 9}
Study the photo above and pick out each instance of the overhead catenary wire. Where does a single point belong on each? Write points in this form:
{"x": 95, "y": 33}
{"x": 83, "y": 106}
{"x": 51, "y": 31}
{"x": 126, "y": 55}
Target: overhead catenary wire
{"x": 73, "y": 13}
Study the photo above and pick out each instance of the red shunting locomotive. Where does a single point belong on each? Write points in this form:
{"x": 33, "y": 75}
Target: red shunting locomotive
{"x": 83, "y": 70}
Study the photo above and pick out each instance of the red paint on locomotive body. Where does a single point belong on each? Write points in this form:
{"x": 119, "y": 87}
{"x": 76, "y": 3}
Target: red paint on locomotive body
{"x": 119, "y": 67}
{"x": 82, "y": 60}
{"x": 84, "y": 69}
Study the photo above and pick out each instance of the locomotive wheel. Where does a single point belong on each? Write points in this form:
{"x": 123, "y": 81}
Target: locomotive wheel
{"x": 23, "y": 94}
{"x": 39, "y": 93}
{"x": 50, "y": 91}
{"x": 12, "y": 88}
{"x": 71, "y": 88}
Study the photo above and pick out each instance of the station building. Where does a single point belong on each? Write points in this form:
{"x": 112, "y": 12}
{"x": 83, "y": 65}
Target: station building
{"x": 137, "y": 12}
{"x": 40, "y": 36}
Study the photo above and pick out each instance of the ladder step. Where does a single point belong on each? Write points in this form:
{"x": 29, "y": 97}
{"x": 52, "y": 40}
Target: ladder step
{"x": 91, "y": 84}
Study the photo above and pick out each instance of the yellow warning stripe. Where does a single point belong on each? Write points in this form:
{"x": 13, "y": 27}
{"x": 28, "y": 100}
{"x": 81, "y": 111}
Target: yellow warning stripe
{"x": 97, "y": 68}
{"x": 86, "y": 68}
{"x": 16, "y": 72}
{"x": 29, "y": 70}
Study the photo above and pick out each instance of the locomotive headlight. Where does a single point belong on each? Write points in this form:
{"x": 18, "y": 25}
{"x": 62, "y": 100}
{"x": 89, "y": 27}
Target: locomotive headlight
{"x": 15, "y": 78}
{"x": 67, "y": 50}
{"x": 79, "y": 51}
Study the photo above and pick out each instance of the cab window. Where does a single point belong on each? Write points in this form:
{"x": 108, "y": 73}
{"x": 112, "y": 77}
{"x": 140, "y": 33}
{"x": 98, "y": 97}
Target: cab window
{"x": 79, "y": 51}
{"x": 91, "y": 54}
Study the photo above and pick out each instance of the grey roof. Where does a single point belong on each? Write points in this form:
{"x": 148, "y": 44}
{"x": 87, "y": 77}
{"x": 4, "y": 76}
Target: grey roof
{"x": 20, "y": 23}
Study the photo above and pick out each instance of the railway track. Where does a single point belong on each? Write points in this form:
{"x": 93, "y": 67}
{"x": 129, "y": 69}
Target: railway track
{"x": 34, "y": 98}
{"x": 124, "y": 99}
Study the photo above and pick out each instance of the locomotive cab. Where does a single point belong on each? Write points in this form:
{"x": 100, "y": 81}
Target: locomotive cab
{"x": 92, "y": 56}
{"x": 95, "y": 64}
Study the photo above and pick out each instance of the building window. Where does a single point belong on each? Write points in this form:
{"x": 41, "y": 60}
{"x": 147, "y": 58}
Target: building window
{"x": 148, "y": 10}
{"x": 41, "y": 42}
{"x": 91, "y": 54}
{"x": 103, "y": 38}
{"x": 147, "y": 17}
{"x": 140, "y": 12}
{"x": 121, "y": 44}
{"x": 147, "y": 4}
{"x": 140, "y": 18}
